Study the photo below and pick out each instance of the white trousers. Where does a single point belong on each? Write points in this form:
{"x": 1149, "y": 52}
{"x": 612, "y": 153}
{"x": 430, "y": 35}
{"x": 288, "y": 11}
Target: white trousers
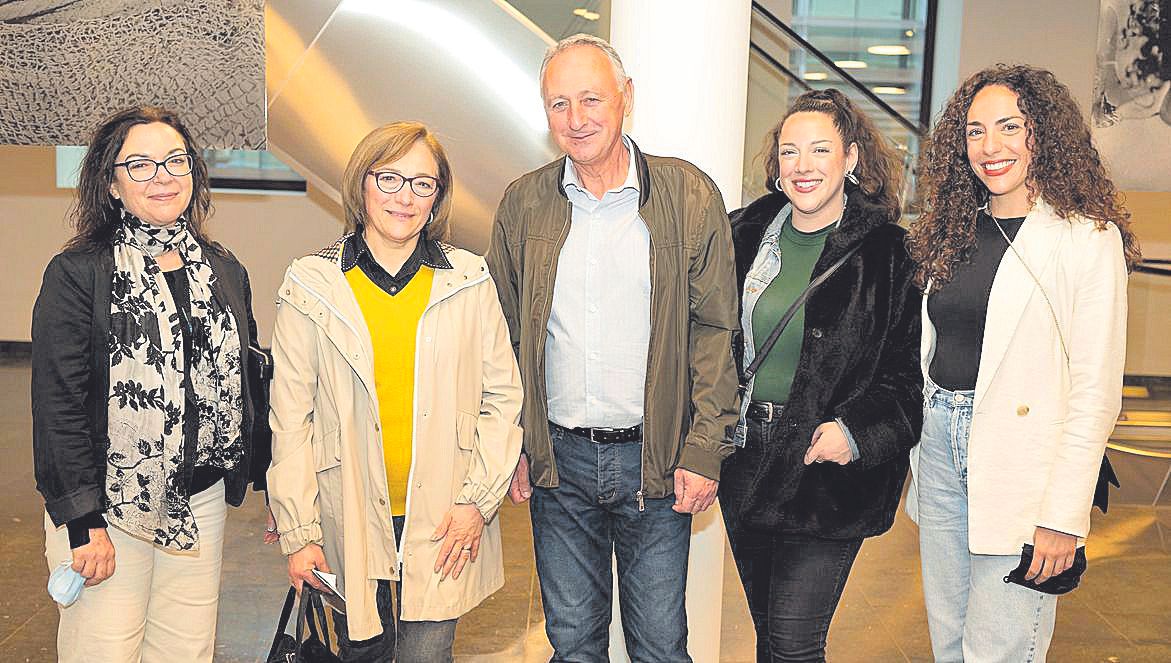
{"x": 158, "y": 607}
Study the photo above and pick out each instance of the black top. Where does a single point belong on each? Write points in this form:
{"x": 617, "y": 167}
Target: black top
{"x": 202, "y": 476}
{"x": 957, "y": 310}
{"x": 357, "y": 253}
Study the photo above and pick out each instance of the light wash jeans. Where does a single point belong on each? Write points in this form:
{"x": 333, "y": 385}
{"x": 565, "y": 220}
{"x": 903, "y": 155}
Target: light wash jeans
{"x": 973, "y": 615}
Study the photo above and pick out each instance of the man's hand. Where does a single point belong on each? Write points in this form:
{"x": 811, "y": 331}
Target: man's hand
{"x": 693, "y": 492}
{"x": 302, "y": 563}
{"x": 460, "y": 530}
{"x": 95, "y": 560}
{"x": 1052, "y": 554}
{"x": 520, "y": 490}
{"x": 829, "y": 443}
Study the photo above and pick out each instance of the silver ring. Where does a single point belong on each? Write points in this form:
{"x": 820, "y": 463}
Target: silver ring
{"x": 270, "y": 531}
{"x": 468, "y": 549}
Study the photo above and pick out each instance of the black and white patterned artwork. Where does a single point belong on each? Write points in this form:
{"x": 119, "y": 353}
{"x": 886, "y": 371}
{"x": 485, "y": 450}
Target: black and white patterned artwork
{"x": 1131, "y": 109}
{"x": 65, "y": 64}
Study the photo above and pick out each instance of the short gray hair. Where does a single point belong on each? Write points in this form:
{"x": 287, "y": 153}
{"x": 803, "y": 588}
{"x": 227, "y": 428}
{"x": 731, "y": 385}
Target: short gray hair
{"x": 583, "y": 39}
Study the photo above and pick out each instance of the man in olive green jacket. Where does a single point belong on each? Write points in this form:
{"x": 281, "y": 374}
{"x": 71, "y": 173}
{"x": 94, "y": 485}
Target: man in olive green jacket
{"x": 615, "y": 274}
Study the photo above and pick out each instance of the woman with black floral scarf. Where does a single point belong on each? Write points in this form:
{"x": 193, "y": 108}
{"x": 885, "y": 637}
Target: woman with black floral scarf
{"x": 141, "y": 411}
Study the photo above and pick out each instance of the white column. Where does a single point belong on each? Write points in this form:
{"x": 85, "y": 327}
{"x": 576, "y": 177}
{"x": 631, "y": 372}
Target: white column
{"x": 689, "y": 63}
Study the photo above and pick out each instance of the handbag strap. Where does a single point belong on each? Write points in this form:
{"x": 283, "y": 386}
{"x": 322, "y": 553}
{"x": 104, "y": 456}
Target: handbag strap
{"x": 318, "y": 610}
{"x": 773, "y": 337}
{"x": 302, "y": 618}
{"x": 283, "y": 623}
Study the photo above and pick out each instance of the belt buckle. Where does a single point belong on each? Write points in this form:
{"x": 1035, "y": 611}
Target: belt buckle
{"x": 768, "y": 405}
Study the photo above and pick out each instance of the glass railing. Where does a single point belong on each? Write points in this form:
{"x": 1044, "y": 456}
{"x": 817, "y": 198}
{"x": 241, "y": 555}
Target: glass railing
{"x": 783, "y": 64}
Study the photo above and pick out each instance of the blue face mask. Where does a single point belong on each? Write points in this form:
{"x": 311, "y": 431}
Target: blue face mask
{"x": 65, "y": 584}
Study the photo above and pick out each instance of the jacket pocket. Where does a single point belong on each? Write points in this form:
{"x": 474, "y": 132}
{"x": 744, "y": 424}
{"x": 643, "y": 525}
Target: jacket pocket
{"x": 465, "y": 430}
{"x": 327, "y": 451}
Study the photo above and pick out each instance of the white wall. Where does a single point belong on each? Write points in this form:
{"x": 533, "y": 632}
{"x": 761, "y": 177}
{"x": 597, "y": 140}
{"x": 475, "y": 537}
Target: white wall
{"x": 265, "y": 233}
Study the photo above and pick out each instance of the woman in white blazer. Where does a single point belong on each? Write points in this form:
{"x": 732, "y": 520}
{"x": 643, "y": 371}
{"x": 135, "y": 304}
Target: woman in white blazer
{"x": 1023, "y": 249}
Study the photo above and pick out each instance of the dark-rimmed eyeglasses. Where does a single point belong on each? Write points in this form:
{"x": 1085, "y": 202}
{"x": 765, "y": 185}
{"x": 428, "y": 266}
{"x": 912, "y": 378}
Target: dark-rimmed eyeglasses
{"x": 387, "y": 181}
{"x": 144, "y": 170}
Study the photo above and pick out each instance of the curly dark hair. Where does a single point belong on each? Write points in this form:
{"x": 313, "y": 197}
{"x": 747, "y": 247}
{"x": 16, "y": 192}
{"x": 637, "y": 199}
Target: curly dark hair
{"x": 96, "y": 215}
{"x": 1058, "y": 136}
{"x": 879, "y": 170}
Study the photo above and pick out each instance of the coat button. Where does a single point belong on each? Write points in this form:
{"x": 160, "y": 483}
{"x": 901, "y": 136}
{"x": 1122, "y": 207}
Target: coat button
{"x": 1022, "y": 410}
{"x": 382, "y": 501}
{"x": 377, "y": 428}
{"x": 816, "y": 333}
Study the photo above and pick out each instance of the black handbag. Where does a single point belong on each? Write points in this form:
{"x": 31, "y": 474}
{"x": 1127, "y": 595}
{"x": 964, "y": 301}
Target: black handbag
{"x": 298, "y": 648}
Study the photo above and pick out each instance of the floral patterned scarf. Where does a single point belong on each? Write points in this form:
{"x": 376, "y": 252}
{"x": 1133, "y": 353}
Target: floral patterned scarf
{"x": 144, "y": 482}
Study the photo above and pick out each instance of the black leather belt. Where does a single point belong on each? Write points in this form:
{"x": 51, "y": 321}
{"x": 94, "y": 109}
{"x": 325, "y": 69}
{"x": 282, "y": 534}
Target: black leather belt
{"x": 605, "y": 435}
{"x": 765, "y": 411}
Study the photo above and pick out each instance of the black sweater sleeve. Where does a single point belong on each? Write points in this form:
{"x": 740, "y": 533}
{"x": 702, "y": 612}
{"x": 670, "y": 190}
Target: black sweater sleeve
{"x": 69, "y": 470}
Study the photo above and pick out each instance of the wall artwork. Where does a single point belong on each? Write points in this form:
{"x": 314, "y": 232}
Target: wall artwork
{"x": 1131, "y": 110}
{"x": 64, "y": 65}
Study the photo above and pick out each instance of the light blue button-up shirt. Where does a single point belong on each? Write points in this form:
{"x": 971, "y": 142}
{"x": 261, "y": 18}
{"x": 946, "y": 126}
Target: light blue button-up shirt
{"x": 599, "y": 327}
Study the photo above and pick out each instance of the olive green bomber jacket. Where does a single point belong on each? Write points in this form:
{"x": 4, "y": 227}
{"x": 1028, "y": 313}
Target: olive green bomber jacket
{"x": 691, "y": 403}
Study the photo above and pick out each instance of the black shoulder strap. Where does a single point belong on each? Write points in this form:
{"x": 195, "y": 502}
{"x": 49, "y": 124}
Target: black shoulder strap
{"x": 284, "y": 622}
{"x": 772, "y": 339}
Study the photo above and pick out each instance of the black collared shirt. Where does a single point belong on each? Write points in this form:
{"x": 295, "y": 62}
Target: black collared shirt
{"x": 356, "y": 253}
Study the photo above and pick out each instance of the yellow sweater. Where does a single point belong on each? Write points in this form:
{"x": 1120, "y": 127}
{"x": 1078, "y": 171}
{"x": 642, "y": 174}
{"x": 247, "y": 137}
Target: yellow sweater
{"x": 393, "y": 322}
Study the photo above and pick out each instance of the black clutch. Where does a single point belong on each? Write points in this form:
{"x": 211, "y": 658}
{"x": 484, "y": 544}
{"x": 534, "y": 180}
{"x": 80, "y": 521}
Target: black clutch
{"x": 1063, "y": 583}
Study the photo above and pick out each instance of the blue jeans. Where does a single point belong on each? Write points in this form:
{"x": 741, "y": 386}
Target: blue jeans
{"x": 414, "y": 642}
{"x": 592, "y": 515}
{"x": 972, "y": 614}
{"x": 793, "y": 582}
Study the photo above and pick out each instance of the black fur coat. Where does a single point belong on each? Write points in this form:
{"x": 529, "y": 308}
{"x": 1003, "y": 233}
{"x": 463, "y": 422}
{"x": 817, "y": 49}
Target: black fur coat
{"x": 860, "y": 362}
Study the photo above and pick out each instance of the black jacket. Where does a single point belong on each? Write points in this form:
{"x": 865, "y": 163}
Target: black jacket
{"x": 71, "y": 380}
{"x": 860, "y": 362}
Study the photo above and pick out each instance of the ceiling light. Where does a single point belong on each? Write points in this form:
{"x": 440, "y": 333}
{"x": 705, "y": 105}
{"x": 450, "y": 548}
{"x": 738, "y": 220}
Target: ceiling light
{"x": 815, "y": 76}
{"x": 586, "y": 14}
{"x": 850, "y": 64}
{"x": 888, "y": 49}
{"x": 888, "y": 89}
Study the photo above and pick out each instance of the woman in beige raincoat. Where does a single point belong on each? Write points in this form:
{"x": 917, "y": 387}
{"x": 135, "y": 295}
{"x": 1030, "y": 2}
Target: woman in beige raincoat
{"x": 395, "y": 403}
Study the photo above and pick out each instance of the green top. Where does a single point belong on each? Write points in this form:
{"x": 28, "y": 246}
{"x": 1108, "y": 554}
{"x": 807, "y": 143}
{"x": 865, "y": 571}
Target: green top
{"x": 799, "y": 254}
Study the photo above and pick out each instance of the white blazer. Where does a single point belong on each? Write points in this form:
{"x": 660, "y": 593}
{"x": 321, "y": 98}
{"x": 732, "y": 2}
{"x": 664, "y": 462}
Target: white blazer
{"x": 1040, "y": 423}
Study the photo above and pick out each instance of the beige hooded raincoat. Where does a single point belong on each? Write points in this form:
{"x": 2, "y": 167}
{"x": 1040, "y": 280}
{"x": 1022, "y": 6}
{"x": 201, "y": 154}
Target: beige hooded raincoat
{"x": 327, "y": 483}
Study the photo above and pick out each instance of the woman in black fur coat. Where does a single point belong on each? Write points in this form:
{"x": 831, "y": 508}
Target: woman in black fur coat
{"x": 830, "y": 415}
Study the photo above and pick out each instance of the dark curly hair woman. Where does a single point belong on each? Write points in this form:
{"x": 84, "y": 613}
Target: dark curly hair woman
{"x": 1022, "y": 249}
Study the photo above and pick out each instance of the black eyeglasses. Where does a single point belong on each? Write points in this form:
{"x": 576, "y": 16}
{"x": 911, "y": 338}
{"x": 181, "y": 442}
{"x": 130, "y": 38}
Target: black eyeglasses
{"x": 144, "y": 170}
{"x": 387, "y": 181}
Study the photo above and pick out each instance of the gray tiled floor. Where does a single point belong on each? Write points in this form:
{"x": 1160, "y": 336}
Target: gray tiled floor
{"x": 1122, "y": 613}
